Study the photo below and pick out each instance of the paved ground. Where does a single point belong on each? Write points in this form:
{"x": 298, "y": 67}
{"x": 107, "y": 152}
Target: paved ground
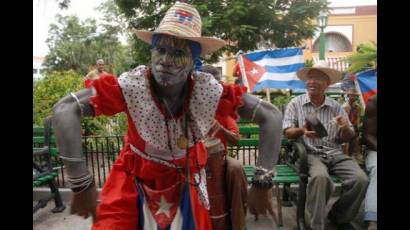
{"x": 45, "y": 220}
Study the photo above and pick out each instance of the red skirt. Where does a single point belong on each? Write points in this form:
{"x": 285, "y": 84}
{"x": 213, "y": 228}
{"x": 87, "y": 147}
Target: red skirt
{"x": 118, "y": 208}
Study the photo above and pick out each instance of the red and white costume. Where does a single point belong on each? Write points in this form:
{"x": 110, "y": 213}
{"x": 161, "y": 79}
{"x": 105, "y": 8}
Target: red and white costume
{"x": 147, "y": 158}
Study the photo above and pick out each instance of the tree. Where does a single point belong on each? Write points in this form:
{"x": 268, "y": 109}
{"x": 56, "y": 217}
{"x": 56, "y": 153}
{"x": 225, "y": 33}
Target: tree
{"x": 54, "y": 86}
{"x": 137, "y": 50}
{"x": 76, "y": 45}
{"x": 63, "y": 4}
{"x": 243, "y": 24}
{"x": 366, "y": 57}
{"x": 50, "y": 89}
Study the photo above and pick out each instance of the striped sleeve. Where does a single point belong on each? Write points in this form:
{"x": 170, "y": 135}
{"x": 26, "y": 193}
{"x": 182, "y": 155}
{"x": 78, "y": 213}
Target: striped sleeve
{"x": 290, "y": 118}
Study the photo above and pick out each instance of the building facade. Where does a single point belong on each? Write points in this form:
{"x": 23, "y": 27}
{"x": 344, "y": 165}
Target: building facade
{"x": 347, "y": 28}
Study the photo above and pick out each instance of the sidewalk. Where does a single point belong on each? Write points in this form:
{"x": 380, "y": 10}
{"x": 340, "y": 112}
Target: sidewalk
{"x": 44, "y": 219}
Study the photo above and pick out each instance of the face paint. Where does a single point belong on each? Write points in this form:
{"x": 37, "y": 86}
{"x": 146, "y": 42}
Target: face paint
{"x": 171, "y": 61}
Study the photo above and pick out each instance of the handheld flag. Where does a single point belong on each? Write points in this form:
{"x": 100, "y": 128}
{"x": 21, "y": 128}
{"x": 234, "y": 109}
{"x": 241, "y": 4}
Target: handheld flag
{"x": 366, "y": 84}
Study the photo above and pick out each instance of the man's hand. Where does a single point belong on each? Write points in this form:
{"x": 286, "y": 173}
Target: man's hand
{"x": 342, "y": 122}
{"x": 260, "y": 201}
{"x": 345, "y": 132}
{"x": 308, "y": 132}
{"x": 85, "y": 203}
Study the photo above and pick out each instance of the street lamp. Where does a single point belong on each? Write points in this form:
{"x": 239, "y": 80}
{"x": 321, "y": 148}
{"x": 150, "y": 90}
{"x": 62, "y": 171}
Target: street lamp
{"x": 322, "y": 23}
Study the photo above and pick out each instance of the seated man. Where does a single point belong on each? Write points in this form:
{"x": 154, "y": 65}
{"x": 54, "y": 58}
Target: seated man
{"x": 325, "y": 154}
{"x": 226, "y": 129}
{"x": 370, "y": 135}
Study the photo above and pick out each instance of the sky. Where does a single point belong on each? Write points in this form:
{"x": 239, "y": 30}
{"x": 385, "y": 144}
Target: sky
{"x": 44, "y": 12}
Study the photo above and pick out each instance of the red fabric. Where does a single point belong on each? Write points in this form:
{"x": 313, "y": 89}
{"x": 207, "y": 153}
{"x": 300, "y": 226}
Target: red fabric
{"x": 354, "y": 114}
{"x": 237, "y": 70}
{"x": 118, "y": 208}
{"x": 88, "y": 83}
{"x": 230, "y": 101}
{"x": 228, "y": 123}
{"x": 253, "y": 72}
{"x": 109, "y": 99}
{"x": 368, "y": 95}
{"x": 202, "y": 218}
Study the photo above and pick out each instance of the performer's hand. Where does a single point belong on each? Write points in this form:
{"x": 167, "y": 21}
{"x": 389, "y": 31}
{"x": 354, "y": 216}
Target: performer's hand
{"x": 85, "y": 203}
{"x": 260, "y": 201}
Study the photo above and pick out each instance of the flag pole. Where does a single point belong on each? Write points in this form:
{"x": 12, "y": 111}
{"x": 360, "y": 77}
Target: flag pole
{"x": 356, "y": 84}
{"x": 243, "y": 73}
{"x": 268, "y": 94}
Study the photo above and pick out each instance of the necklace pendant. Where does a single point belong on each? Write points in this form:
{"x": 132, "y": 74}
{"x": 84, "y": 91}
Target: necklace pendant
{"x": 182, "y": 142}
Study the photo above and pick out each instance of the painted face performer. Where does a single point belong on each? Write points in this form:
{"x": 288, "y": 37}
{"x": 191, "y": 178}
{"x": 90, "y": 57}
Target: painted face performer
{"x": 159, "y": 181}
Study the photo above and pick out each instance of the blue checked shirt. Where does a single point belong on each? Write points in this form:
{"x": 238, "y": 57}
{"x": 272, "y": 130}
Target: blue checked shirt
{"x": 300, "y": 106}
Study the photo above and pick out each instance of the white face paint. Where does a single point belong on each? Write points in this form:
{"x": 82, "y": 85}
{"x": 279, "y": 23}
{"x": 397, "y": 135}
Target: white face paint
{"x": 171, "y": 61}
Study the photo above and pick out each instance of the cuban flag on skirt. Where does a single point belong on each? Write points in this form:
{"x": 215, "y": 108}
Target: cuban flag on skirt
{"x": 272, "y": 69}
{"x": 366, "y": 83}
{"x": 168, "y": 209}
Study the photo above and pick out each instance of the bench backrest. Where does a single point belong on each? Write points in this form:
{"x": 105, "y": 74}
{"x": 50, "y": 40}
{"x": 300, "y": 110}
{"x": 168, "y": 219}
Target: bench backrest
{"x": 39, "y": 140}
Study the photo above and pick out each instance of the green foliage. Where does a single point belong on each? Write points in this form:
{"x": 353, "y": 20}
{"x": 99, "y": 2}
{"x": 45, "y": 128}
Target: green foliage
{"x": 76, "y": 45}
{"x": 309, "y": 62}
{"x": 243, "y": 24}
{"x": 56, "y": 85}
{"x": 366, "y": 57}
{"x": 49, "y": 90}
{"x": 281, "y": 100}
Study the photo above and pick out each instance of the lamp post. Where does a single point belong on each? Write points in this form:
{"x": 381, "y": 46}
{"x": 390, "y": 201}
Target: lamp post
{"x": 322, "y": 23}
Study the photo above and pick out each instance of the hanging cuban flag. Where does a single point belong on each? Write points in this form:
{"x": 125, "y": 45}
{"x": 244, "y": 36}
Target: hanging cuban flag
{"x": 272, "y": 69}
{"x": 366, "y": 84}
{"x": 168, "y": 209}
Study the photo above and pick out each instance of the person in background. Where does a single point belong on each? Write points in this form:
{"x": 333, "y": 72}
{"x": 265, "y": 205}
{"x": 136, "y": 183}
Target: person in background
{"x": 370, "y": 136}
{"x": 353, "y": 110}
{"x": 226, "y": 129}
{"x": 95, "y": 74}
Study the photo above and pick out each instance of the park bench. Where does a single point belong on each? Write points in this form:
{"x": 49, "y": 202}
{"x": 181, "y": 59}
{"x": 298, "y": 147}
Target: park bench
{"x": 43, "y": 172}
{"x": 287, "y": 174}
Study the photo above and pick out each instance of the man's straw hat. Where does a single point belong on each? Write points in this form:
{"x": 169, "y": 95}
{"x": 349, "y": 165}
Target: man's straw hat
{"x": 334, "y": 75}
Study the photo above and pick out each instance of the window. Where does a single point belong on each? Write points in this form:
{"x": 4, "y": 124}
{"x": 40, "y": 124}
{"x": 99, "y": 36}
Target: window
{"x": 335, "y": 42}
{"x": 34, "y": 71}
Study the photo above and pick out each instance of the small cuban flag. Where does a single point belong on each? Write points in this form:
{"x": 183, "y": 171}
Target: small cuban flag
{"x": 366, "y": 84}
{"x": 272, "y": 69}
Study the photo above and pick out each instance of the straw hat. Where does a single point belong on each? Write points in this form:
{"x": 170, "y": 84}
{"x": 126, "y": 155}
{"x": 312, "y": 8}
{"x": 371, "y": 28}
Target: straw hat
{"x": 182, "y": 20}
{"x": 334, "y": 75}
